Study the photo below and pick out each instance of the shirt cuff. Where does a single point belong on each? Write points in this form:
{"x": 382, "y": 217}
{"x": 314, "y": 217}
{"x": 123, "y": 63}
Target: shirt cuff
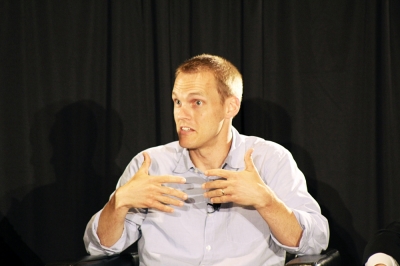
{"x": 96, "y": 248}
{"x": 293, "y": 250}
{"x": 314, "y": 237}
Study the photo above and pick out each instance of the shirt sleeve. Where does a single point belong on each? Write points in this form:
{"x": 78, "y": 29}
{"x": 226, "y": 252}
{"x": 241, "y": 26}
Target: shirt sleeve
{"x": 130, "y": 234}
{"x": 133, "y": 220}
{"x": 315, "y": 235}
{"x": 281, "y": 174}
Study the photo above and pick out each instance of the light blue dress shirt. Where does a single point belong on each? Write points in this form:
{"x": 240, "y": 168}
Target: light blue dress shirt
{"x": 234, "y": 235}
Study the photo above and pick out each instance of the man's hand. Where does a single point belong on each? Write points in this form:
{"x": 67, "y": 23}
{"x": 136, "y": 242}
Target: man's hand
{"x": 248, "y": 189}
{"x": 142, "y": 191}
{"x": 145, "y": 191}
{"x": 245, "y": 187}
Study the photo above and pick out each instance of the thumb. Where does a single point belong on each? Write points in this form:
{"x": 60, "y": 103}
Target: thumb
{"x": 146, "y": 163}
{"x": 248, "y": 160}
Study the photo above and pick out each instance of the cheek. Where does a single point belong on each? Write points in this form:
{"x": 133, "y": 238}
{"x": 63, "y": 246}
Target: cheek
{"x": 210, "y": 120}
{"x": 217, "y": 115}
{"x": 198, "y": 114}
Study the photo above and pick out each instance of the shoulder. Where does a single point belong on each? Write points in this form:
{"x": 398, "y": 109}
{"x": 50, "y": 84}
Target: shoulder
{"x": 169, "y": 150}
{"x": 264, "y": 148}
{"x": 270, "y": 158}
{"x": 163, "y": 158}
{"x": 167, "y": 154}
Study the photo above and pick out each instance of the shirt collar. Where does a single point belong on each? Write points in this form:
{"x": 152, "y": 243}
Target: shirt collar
{"x": 184, "y": 163}
{"x": 234, "y": 160}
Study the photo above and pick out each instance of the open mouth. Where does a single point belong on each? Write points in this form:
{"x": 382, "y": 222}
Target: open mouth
{"x": 186, "y": 129}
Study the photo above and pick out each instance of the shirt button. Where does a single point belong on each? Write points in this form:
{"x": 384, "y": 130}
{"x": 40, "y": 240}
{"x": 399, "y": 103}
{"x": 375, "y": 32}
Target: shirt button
{"x": 208, "y": 248}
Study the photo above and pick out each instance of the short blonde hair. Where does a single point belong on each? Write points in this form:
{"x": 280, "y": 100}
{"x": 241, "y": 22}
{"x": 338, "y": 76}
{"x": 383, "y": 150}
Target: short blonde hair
{"x": 227, "y": 75}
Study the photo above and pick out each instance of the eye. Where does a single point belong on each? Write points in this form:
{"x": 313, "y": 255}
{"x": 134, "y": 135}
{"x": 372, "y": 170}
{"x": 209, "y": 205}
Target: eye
{"x": 198, "y": 102}
{"x": 177, "y": 102}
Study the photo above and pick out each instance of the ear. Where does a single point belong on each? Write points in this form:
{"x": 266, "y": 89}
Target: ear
{"x": 232, "y": 106}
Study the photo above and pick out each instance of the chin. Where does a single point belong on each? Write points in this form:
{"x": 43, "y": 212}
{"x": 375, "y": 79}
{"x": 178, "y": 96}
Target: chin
{"x": 185, "y": 144}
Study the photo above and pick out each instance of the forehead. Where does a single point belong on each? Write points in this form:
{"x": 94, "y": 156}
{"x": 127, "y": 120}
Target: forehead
{"x": 202, "y": 83}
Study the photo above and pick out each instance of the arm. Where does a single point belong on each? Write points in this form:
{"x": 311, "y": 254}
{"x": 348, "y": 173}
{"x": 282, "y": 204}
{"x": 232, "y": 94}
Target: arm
{"x": 280, "y": 218}
{"x": 248, "y": 189}
{"x": 282, "y": 200}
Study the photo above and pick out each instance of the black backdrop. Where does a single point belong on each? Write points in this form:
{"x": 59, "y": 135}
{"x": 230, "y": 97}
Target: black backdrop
{"x": 85, "y": 85}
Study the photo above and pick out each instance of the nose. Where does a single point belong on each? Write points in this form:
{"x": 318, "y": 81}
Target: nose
{"x": 181, "y": 112}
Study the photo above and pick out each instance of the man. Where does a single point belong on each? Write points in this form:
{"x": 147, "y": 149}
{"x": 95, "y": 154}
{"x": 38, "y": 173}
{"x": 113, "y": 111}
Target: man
{"x": 214, "y": 197}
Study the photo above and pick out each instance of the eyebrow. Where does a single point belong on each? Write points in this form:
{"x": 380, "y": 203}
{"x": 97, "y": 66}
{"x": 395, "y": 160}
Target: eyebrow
{"x": 191, "y": 94}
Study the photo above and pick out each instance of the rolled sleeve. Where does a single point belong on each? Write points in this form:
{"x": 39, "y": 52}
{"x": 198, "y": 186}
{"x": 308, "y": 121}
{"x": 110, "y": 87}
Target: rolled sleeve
{"x": 288, "y": 182}
{"x": 92, "y": 242}
{"x": 315, "y": 234}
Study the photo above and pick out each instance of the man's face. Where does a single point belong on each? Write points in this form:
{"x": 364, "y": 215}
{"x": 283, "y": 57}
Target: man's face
{"x": 198, "y": 112}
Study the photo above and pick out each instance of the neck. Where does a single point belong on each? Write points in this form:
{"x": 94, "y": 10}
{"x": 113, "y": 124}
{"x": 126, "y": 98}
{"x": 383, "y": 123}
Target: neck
{"x": 212, "y": 157}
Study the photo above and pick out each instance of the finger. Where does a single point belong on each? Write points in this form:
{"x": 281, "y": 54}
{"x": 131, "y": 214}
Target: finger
{"x": 248, "y": 160}
{"x": 215, "y": 193}
{"x": 162, "y": 207}
{"x": 223, "y": 199}
{"x": 215, "y": 184}
{"x": 173, "y": 192}
{"x": 219, "y": 172}
{"x": 169, "y": 179}
{"x": 170, "y": 201}
{"x": 146, "y": 163}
